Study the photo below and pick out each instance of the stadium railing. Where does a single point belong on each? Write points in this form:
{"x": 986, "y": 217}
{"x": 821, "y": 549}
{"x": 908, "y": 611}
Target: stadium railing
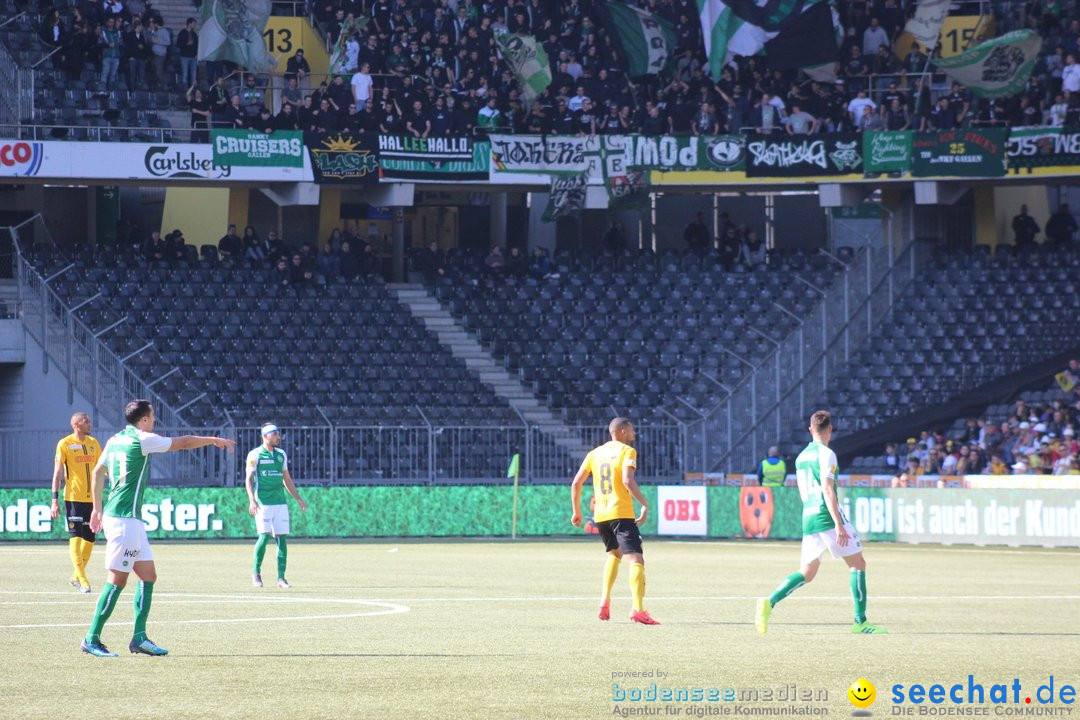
{"x": 16, "y": 86}
{"x": 773, "y": 398}
{"x": 415, "y": 455}
{"x": 93, "y": 133}
{"x": 92, "y": 369}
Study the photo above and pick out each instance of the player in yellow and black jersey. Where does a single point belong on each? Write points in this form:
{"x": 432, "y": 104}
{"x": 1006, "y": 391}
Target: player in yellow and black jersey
{"x": 612, "y": 467}
{"x": 76, "y": 456}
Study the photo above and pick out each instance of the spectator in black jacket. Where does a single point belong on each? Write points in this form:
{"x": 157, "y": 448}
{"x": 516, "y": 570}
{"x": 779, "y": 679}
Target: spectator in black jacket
{"x": 187, "y": 43}
{"x": 230, "y": 246}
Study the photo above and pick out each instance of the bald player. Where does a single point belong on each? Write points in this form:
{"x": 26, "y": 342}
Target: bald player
{"x": 612, "y": 467}
{"x": 76, "y": 456}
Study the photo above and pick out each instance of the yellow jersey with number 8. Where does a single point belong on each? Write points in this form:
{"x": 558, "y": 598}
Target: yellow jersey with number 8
{"x": 608, "y": 464}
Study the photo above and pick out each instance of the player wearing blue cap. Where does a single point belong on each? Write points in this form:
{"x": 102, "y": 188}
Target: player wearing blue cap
{"x": 267, "y": 478}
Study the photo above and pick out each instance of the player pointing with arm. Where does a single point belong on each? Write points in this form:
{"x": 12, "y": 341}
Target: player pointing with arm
{"x": 267, "y": 478}
{"x": 824, "y": 528}
{"x": 612, "y": 467}
{"x": 126, "y": 460}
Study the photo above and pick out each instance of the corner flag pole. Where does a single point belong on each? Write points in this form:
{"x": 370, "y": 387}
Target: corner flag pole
{"x": 514, "y": 471}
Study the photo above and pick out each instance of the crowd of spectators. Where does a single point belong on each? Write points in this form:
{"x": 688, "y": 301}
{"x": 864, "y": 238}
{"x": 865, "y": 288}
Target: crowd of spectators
{"x": 344, "y": 254}
{"x": 1038, "y": 439}
{"x": 430, "y": 68}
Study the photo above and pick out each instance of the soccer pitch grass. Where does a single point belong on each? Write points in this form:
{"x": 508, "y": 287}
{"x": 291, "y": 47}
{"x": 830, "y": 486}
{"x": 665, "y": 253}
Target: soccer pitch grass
{"x": 464, "y": 629}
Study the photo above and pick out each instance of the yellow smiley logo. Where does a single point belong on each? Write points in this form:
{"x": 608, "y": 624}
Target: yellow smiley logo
{"x": 862, "y": 693}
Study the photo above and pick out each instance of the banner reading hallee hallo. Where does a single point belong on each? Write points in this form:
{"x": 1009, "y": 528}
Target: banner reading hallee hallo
{"x": 238, "y": 148}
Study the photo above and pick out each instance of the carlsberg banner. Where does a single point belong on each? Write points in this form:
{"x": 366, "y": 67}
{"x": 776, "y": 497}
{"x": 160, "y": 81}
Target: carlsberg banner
{"x": 1042, "y": 517}
{"x": 237, "y": 148}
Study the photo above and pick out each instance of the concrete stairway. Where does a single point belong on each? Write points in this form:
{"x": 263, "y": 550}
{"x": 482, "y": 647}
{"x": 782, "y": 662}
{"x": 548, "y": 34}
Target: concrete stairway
{"x": 9, "y": 298}
{"x": 462, "y": 344}
{"x": 175, "y": 13}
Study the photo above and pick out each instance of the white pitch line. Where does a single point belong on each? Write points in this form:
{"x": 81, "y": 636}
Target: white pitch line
{"x": 391, "y": 609}
{"x": 735, "y": 598}
{"x": 518, "y": 598}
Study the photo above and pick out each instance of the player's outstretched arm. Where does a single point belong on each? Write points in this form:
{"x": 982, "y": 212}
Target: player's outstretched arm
{"x": 190, "y": 442}
{"x": 575, "y": 492}
{"x": 635, "y": 491}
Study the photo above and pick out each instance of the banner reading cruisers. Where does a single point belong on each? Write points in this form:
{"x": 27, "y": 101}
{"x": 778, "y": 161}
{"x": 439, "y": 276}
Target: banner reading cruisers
{"x": 251, "y": 148}
{"x": 963, "y": 153}
{"x": 1037, "y": 147}
{"x": 461, "y": 159}
{"x": 803, "y": 155}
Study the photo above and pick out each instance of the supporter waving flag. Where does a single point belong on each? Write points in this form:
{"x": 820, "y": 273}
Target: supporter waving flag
{"x": 233, "y": 32}
{"x": 647, "y": 41}
{"x": 748, "y": 27}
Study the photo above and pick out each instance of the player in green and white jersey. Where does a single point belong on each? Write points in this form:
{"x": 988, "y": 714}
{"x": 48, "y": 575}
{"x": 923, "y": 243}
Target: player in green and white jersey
{"x": 126, "y": 460}
{"x": 267, "y": 478}
{"x": 824, "y": 528}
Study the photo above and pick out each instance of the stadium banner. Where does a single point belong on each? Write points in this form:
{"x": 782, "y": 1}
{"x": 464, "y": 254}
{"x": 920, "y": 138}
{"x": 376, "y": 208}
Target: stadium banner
{"x": 962, "y": 153}
{"x": 888, "y": 151}
{"x": 1036, "y": 147}
{"x": 567, "y": 197}
{"x": 438, "y": 169}
{"x": 805, "y": 156}
{"x": 544, "y": 155}
{"x": 251, "y": 148}
{"x": 440, "y": 149}
{"x": 681, "y": 153}
{"x": 682, "y": 510}
{"x": 180, "y": 162}
{"x": 1045, "y": 517}
{"x": 346, "y": 161}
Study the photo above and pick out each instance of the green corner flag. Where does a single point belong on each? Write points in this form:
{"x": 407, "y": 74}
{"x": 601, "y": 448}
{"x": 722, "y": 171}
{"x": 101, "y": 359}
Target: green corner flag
{"x": 512, "y": 471}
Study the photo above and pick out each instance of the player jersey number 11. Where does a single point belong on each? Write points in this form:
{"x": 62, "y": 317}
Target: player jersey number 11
{"x": 809, "y": 485}
{"x": 118, "y": 468}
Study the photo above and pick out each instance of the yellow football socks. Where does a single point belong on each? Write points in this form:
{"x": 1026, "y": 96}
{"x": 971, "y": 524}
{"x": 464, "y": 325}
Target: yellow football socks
{"x": 611, "y": 571}
{"x": 75, "y": 551}
{"x": 87, "y": 549}
{"x": 637, "y": 586}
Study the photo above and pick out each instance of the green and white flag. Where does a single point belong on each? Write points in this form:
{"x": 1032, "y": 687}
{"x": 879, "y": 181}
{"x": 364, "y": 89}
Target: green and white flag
{"x": 528, "y": 62}
{"x": 232, "y": 31}
{"x": 996, "y": 68}
{"x": 743, "y": 27}
{"x": 647, "y": 41}
{"x": 925, "y": 24}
